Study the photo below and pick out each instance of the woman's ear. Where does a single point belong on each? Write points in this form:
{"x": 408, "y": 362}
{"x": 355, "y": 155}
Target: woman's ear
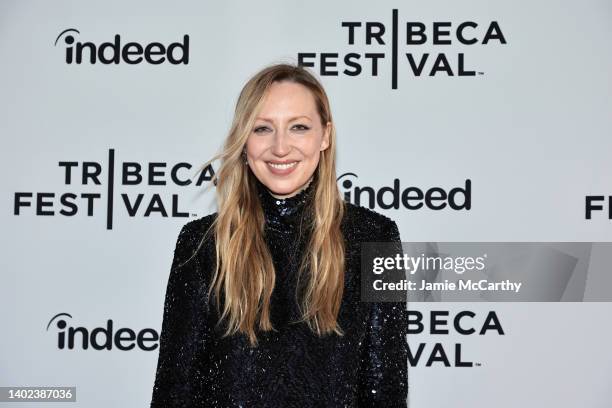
{"x": 325, "y": 141}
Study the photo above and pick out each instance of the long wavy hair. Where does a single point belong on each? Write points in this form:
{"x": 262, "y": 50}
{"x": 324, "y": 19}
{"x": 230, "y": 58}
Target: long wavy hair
{"x": 244, "y": 276}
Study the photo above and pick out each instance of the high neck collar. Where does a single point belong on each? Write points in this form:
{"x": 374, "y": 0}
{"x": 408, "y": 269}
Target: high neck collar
{"x": 284, "y": 214}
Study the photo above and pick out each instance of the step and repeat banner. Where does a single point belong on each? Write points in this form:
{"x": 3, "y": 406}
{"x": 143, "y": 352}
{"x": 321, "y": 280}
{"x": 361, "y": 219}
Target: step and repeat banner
{"x": 465, "y": 122}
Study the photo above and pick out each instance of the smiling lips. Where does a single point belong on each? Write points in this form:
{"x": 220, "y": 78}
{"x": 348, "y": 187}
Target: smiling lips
{"x": 282, "y": 168}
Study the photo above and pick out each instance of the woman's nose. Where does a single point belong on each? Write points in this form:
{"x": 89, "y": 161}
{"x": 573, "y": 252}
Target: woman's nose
{"x": 280, "y": 143}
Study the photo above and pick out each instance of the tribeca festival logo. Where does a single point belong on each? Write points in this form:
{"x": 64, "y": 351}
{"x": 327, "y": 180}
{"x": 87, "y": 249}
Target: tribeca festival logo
{"x": 597, "y": 204}
{"x": 117, "y": 51}
{"x": 411, "y": 198}
{"x": 392, "y": 39}
{"x": 100, "y": 338}
{"x": 465, "y": 323}
{"x": 130, "y": 175}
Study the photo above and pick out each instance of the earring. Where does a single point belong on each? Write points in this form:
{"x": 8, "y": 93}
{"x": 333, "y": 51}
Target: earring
{"x": 245, "y": 157}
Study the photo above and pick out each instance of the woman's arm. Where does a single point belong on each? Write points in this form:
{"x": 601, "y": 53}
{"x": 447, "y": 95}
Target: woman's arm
{"x": 384, "y": 365}
{"x": 181, "y": 344}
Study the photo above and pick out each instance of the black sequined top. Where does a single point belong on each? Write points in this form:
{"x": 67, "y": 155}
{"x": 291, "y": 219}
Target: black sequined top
{"x": 290, "y": 367}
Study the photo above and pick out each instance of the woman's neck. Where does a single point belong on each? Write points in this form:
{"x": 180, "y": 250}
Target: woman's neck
{"x": 284, "y": 214}
{"x": 304, "y": 187}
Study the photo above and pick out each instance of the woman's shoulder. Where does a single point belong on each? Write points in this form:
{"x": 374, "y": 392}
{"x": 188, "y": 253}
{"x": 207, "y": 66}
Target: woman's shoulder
{"x": 367, "y": 224}
{"x": 190, "y": 239}
{"x": 198, "y": 226}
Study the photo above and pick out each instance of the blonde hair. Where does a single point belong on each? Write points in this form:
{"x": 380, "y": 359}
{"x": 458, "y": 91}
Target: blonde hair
{"x": 244, "y": 273}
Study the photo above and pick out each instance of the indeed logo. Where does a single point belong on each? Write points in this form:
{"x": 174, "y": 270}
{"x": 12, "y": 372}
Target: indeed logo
{"x": 115, "y": 51}
{"x": 412, "y": 198}
{"x": 101, "y": 338}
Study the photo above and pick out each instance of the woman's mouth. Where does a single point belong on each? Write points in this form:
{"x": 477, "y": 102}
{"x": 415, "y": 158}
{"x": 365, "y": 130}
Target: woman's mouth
{"x": 282, "y": 168}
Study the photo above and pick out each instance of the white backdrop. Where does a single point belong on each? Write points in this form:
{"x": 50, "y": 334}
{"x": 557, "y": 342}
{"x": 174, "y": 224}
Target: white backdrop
{"x": 531, "y": 130}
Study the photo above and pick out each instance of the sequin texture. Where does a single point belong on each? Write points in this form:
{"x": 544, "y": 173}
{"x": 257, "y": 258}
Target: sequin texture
{"x": 292, "y": 366}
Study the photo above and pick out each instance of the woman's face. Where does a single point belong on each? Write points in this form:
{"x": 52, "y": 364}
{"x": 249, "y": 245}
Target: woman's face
{"x": 284, "y": 146}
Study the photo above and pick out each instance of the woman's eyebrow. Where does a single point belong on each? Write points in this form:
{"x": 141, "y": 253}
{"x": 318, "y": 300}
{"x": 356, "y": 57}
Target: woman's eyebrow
{"x": 290, "y": 119}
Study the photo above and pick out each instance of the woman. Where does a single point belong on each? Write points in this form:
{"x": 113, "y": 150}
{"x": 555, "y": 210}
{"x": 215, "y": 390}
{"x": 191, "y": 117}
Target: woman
{"x": 278, "y": 321}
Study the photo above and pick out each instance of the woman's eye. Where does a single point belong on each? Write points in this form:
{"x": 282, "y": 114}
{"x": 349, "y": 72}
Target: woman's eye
{"x": 259, "y": 129}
